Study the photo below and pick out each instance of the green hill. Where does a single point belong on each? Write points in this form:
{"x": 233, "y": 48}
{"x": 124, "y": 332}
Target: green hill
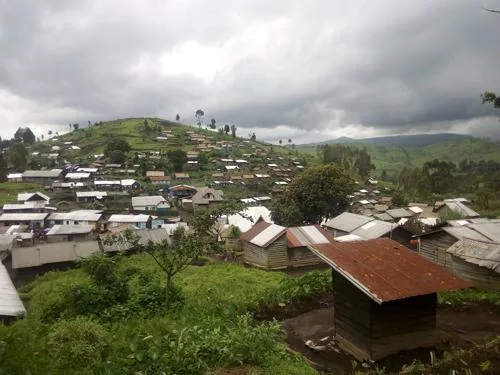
{"x": 388, "y": 154}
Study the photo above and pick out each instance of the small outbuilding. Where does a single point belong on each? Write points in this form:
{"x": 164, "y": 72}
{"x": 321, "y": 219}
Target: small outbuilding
{"x": 385, "y": 296}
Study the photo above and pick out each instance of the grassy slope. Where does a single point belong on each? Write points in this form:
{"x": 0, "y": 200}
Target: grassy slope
{"x": 9, "y": 190}
{"x": 215, "y": 292}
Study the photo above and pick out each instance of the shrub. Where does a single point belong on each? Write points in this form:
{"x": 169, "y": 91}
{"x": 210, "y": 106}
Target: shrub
{"x": 79, "y": 343}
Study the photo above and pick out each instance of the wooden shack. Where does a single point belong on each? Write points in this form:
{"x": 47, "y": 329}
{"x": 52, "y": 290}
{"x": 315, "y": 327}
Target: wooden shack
{"x": 385, "y": 296}
{"x": 476, "y": 261}
{"x": 298, "y": 240}
{"x": 265, "y": 246}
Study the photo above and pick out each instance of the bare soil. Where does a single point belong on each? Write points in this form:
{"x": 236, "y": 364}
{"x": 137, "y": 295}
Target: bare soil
{"x": 462, "y": 326}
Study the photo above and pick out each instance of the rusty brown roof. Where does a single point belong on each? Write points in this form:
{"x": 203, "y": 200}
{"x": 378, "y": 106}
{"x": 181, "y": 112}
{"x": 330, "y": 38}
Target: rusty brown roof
{"x": 387, "y": 271}
{"x": 255, "y": 230}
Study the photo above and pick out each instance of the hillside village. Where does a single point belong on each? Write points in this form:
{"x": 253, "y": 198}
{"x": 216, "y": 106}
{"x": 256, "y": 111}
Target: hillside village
{"x": 79, "y": 198}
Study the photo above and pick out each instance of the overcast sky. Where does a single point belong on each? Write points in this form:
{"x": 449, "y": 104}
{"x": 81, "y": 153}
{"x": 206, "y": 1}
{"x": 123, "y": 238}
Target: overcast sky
{"x": 306, "y": 70}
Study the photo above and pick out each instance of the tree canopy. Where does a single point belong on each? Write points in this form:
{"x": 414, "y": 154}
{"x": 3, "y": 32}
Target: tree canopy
{"x": 114, "y": 144}
{"x": 178, "y": 158}
{"x": 24, "y": 135}
{"x": 355, "y": 160}
{"x": 17, "y": 157}
{"x": 319, "y": 192}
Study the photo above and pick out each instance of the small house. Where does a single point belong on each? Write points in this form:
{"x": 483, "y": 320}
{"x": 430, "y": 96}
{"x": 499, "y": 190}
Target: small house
{"x": 15, "y": 177}
{"x": 108, "y": 184}
{"x": 182, "y": 176}
{"x": 455, "y": 206}
{"x": 155, "y": 203}
{"x": 32, "y": 197}
{"x": 33, "y": 220}
{"x": 43, "y": 177}
{"x": 182, "y": 191}
{"x": 207, "y": 197}
{"x": 476, "y": 261}
{"x": 298, "y": 240}
{"x": 78, "y": 232}
{"x": 138, "y": 221}
{"x": 155, "y": 174}
{"x": 91, "y": 218}
{"x": 159, "y": 180}
{"x": 77, "y": 176}
{"x": 385, "y": 296}
{"x": 34, "y": 207}
{"x": 130, "y": 184}
{"x": 345, "y": 223}
{"x": 90, "y": 196}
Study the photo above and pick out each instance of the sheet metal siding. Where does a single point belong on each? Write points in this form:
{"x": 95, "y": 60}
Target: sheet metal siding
{"x": 387, "y": 271}
{"x": 481, "y": 277}
{"x": 10, "y": 303}
{"x": 34, "y": 256}
{"x": 433, "y": 247}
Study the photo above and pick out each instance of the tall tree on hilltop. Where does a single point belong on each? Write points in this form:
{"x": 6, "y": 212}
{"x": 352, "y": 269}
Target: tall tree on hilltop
{"x": 28, "y": 136}
{"x": 17, "y": 157}
{"x": 227, "y": 129}
{"x": 318, "y": 193}
{"x": 3, "y": 168}
{"x": 280, "y": 141}
{"x": 233, "y": 130}
{"x": 491, "y": 98}
{"x": 177, "y": 118}
{"x": 212, "y": 123}
{"x": 199, "y": 115}
{"x": 76, "y": 126}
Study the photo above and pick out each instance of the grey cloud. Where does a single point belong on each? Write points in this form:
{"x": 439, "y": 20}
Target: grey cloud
{"x": 389, "y": 65}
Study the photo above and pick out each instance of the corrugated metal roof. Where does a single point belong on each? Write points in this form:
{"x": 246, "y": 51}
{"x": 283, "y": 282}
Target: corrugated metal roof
{"x": 374, "y": 229}
{"x": 383, "y": 216}
{"x": 23, "y": 217}
{"x": 77, "y": 175}
{"x": 24, "y": 206}
{"x": 53, "y": 173}
{"x": 23, "y": 197}
{"x": 89, "y": 194}
{"x": 489, "y": 230}
{"x": 248, "y": 217}
{"x": 349, "y": 238}
{"x": 416, "y": 209}
{"x": 150, "y": 200}
{"x": 484, "y": 254}
{"x": 347, "y": 221}
{"x": 128, "y": 218}
{"x": 205, "y": 195}
{"x": 387, "y": 271}
{"x": 398, "y": 213}
{"x": 59, "y": 229}
{"x": 306, "y": 235}
{"x": 268, "y": 235}
{"x": 6, "y": 241}
{"x": 460, "y": 208}
{"x": 10, "y": 303}
{"x": 253, "y": 231}
{"x": 78, "y": 215}
{"x": 464, "y": 232}
{"x": 144, "y": 236}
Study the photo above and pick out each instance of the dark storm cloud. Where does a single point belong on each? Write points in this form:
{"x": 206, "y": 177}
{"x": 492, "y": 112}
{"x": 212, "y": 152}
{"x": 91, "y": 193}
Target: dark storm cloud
{"x": 389, "y": 66}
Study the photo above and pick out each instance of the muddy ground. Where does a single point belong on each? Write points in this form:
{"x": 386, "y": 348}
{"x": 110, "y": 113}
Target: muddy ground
{"x": 465, "y": 326}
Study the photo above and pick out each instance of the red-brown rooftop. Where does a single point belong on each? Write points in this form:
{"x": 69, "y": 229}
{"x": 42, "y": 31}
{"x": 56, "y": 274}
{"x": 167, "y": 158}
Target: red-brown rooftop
{"x": 387, "y": 271}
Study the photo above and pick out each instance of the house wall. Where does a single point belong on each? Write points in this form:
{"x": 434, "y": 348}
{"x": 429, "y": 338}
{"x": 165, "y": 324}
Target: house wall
{"x": 302, "y": 257}
{"x": 273, "y": 257}
{"x": 368, "y": 330}
{"x": 481, "y": 277}
{"x": 404, "y": 324}
{"x": 352, "y": 319}
{"x": 70, "y": 237}
{"x": 434, "y": 246}
{"x": 400, "y": 235}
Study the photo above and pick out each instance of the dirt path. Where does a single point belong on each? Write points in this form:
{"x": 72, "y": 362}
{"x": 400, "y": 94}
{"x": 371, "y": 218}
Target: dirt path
{"x": 472, "y": 323}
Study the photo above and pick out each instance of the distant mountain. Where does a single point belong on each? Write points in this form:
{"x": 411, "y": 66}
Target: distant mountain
{"x": 409, "y": 141}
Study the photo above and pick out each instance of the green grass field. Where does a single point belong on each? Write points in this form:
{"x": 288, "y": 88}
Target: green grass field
{"x": 9, "y": 190}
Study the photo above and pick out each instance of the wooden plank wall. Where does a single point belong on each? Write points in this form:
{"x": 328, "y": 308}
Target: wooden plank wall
{"x": 302, "y": 257}
{"x": 352, "y": 314}
{"x": 277, "y": 254}
{"x": 254, "y": 255}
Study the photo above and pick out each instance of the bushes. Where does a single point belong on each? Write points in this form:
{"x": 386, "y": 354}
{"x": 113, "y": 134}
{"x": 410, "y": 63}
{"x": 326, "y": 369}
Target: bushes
{"x": 77, "y": 344}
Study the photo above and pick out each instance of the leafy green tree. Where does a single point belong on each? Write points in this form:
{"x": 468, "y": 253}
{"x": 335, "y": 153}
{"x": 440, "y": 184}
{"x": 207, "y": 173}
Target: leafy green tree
{"x": 227, "y": 129}
{"x": 212, "y": 124}
{"x": 398, "y": 199}
{"x": 280, "y": 141}
{"x": 203, "y": 159}
{"x": 233, "y": 130}
{"x": 199, "y": 115}
{"x": 117, "y": 143}
{"x": 76, "y": 126}
{"x": 178, "y": 158}
{"x": 253, "y": 137}
{"x": 317, "y": 193}
{"x": 3, "y": 168}
{"x": 25, "y": 135}
{"x": 177, "y": 118}
{"x": 17, "y": 157}
{"x": 117, "y": 157}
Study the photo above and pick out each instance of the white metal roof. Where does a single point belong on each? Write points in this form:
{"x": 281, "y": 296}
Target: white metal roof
{"x": 69, "y": 229}
{"x": 88, "y": 194}
{"x": 150, "y": 200}
{"x": 248, "y": 217}
{"x": 263, "y": 238}
{"x": 109, "y": 182}
{"x": 24, "y": 206}
{"x": 10, "y": 303}
{"x": 23, "y": 197}
{"x": 348, "y": 238}
{"x": 23, "y": 217}
{"x": 129, "y": 218}
{"x": 88, "y": 170}
{"x": 78, "y": 215}
{"x": 15, "y": 175}
{"x": 374, "y": 229}
{"x": 77, "y": 175}
{"x": 347, "y": 222}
